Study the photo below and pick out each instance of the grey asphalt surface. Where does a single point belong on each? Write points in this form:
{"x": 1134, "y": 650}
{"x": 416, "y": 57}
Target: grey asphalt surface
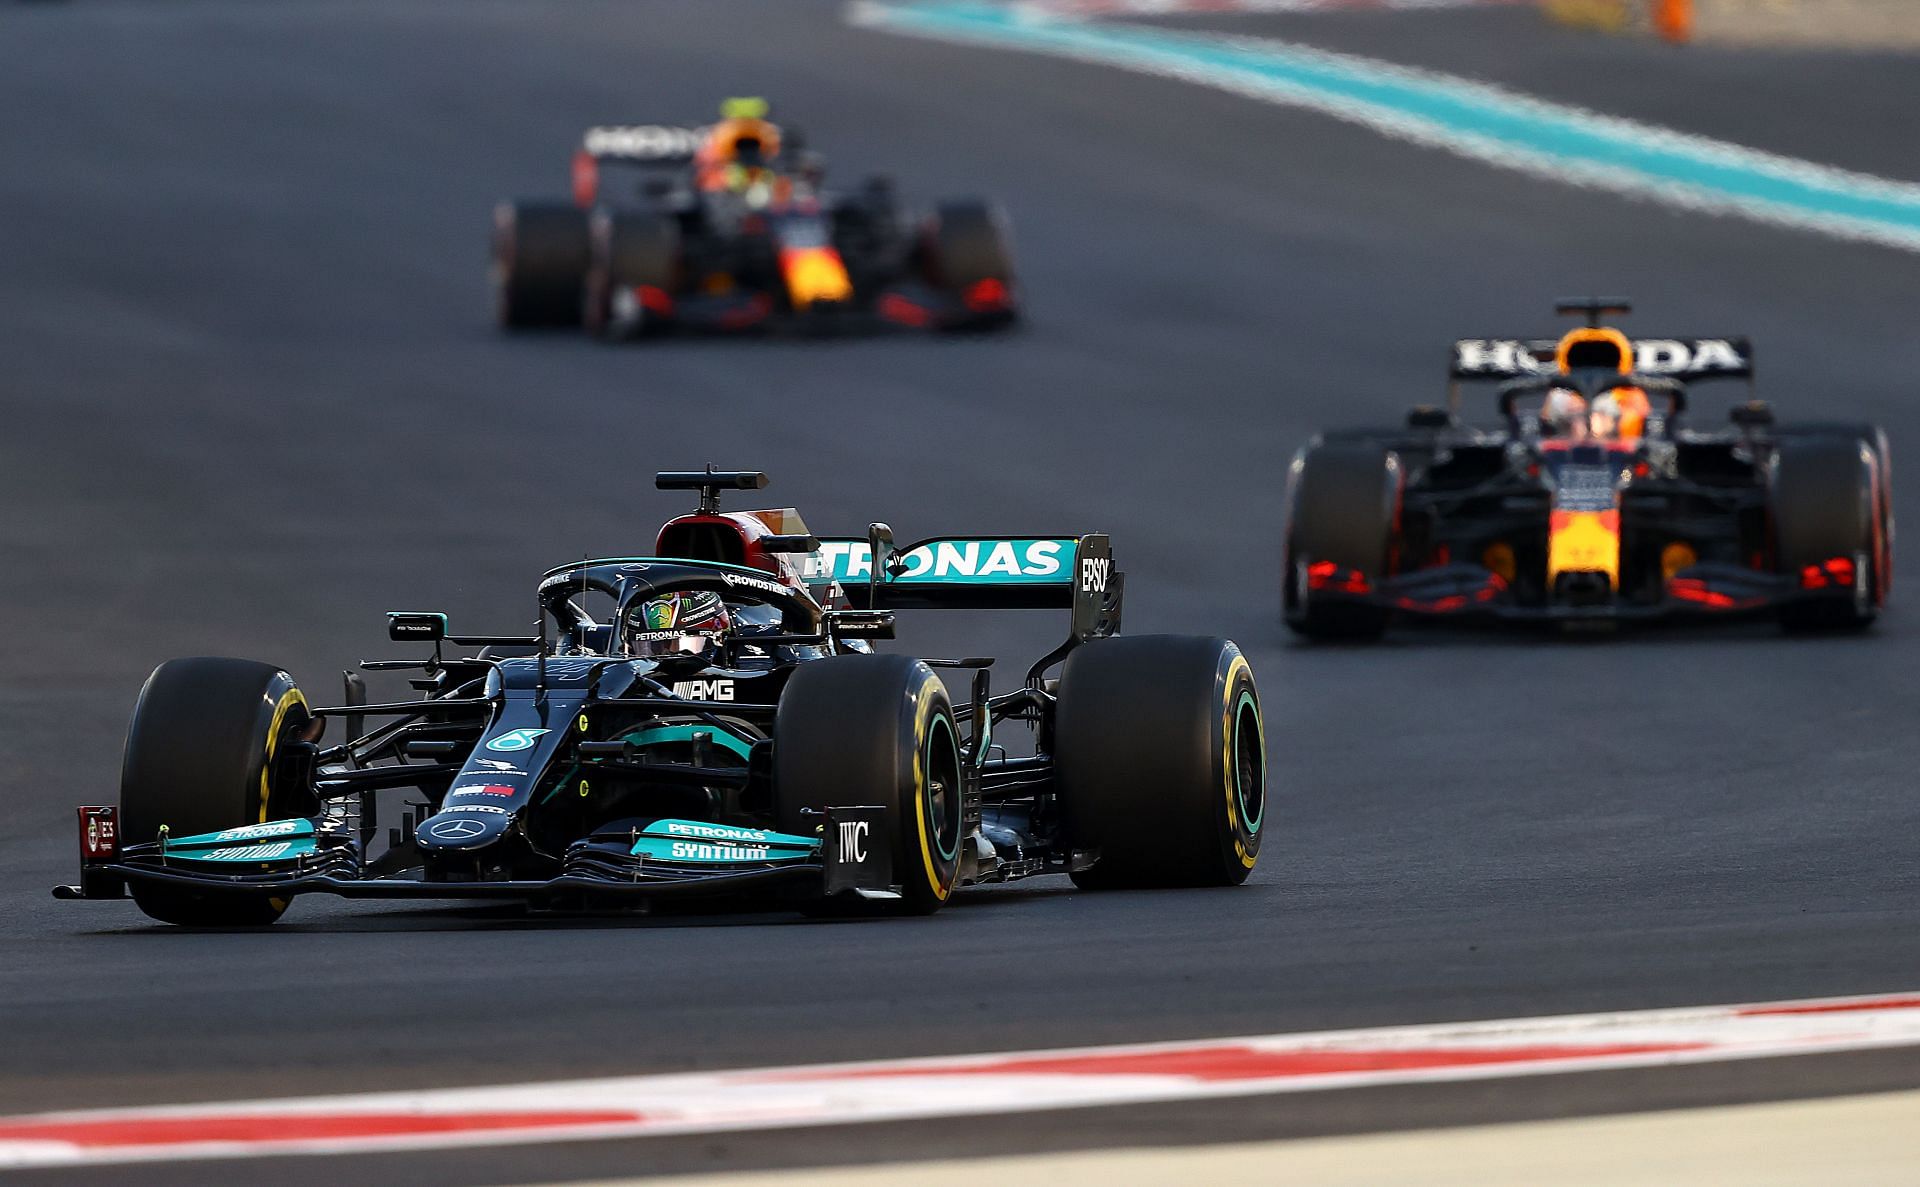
{"x": 253, "y": 399}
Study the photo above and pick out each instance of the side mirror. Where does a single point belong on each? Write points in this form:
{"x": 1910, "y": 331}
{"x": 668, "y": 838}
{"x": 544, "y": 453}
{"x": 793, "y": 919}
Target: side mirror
{"x": 790, "y": 545}
{"x": 404, "y": 626}
{"x": 1426, "y": 416}
{"x": 880, "y": 553}
{"x": 1754, "y": 414}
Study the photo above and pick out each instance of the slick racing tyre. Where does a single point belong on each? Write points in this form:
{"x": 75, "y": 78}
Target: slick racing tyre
{"x": 875, "y": 729}
{"x": 628, "y": 253}
{"x": 1160, "y": 760}
{"x": 968, "y": 254}
{"x": 539, "y": 264}
{"x": 1344, "y": 507}
{"x": 1828, "y": 502}
{"x": 203, "y": 755}
{"x": 1875, "y": 438}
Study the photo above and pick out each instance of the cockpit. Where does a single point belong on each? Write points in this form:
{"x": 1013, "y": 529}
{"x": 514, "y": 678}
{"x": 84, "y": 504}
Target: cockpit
{"x": 665, "y": 607}
{"x": 1601, "y": 399}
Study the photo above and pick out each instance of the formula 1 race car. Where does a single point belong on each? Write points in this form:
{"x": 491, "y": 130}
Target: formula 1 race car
{"x": 735, "y": 232}
{"x": 1593, "y": 500}
{"x": 708, "y": 721}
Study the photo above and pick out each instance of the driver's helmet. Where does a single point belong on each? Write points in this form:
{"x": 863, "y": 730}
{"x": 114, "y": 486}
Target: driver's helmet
{"x": 1564, "y": 414}
{"x": 739, "y": 151}
{"x": 1620, "y": 415}
{"x": 690, "y": 623}
{"x": 1603, "y": 422}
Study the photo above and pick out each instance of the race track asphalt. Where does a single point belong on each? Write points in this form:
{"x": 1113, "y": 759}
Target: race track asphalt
{"x": 252, "y": 400}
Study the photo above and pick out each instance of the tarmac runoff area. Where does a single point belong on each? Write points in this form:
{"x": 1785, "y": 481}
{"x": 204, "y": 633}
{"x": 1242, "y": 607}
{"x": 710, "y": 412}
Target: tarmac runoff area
{"x": 1865, "y": 1141}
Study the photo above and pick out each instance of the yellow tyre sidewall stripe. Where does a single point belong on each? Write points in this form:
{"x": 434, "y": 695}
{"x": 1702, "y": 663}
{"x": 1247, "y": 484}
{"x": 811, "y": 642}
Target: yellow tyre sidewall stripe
{"x": 288, "y": 700}
{"x": 923, "y": 715}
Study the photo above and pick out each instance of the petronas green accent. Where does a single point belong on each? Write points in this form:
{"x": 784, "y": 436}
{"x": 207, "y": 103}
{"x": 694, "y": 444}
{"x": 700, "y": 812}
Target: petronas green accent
{"x": 658, "y": 735}
{"x": 276, "y": 840}
{"x": 697, "y": 841}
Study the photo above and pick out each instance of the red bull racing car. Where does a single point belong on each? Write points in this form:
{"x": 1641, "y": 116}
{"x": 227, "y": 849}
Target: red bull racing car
{"x": 1597, "y": 497}
{"x": 730, "y": 228}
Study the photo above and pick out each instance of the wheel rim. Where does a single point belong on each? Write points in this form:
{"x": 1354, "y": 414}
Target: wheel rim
{"x": 942, "y": 790}
{"x": 1249, "y": 762}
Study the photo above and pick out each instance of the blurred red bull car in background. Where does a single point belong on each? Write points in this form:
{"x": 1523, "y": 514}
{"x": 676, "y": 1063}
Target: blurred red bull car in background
{"x": 730, "y": 228}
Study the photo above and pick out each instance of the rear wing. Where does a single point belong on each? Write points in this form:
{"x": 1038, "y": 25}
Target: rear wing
{"x": 975, "y": 572}
{"x": 1689, "y": 359}
{"x": 1681, "y": 358}
{"x": 646, "y": 144}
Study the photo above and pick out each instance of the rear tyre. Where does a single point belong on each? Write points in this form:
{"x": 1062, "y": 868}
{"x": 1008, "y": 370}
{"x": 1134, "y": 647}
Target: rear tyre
{"x": 1343, "y": 506}
{"x": 1827, "y": 502}
{"x": 201, "y": 757}
{"x": 539, "y": 263}
{"x": 875, "y": 729}
{"x": 1160, "y": 760}
{"x": 968, "y": 254}
{"x": 628, "y": 252}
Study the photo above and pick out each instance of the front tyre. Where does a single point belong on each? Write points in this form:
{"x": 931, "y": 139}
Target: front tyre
{"x": 539, "y": 264}
{"x": 1343, "y": 506}
{"x": 967, "y": 252}
{"x": 1160, "y": 760}
{"x": 1829, "y": 502}
{"x": 854, "y": 730}
{"x": 633, "y": 258}
{"x": 204, "y": 754}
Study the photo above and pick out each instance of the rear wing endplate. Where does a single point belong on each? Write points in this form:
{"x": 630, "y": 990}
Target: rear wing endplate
{"x": 975, "y": 572}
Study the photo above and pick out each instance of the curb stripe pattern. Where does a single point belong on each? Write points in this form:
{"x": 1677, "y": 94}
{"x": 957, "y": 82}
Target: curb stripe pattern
{"x": 772, "y": 1098}
{"x": 1470, "y": 119}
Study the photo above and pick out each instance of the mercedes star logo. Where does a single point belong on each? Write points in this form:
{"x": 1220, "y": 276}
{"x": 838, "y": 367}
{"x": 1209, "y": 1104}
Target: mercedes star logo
{"x": 463, "y": 828}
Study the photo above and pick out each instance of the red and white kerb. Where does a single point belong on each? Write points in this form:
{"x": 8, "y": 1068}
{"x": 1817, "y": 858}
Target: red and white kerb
{"x": 1030, "y": 1081}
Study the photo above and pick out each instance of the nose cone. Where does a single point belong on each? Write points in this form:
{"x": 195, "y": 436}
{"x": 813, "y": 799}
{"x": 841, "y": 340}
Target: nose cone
{"x": 462, "y": 827}
{"x": 815, "y": 276}
{"x": 1585, "y": 542}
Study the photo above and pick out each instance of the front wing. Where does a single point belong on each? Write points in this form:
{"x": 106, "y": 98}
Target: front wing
{"x": 905, "y": 305}
{"x": 1467, "y": 592}
{"x": 322, "y": 856}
